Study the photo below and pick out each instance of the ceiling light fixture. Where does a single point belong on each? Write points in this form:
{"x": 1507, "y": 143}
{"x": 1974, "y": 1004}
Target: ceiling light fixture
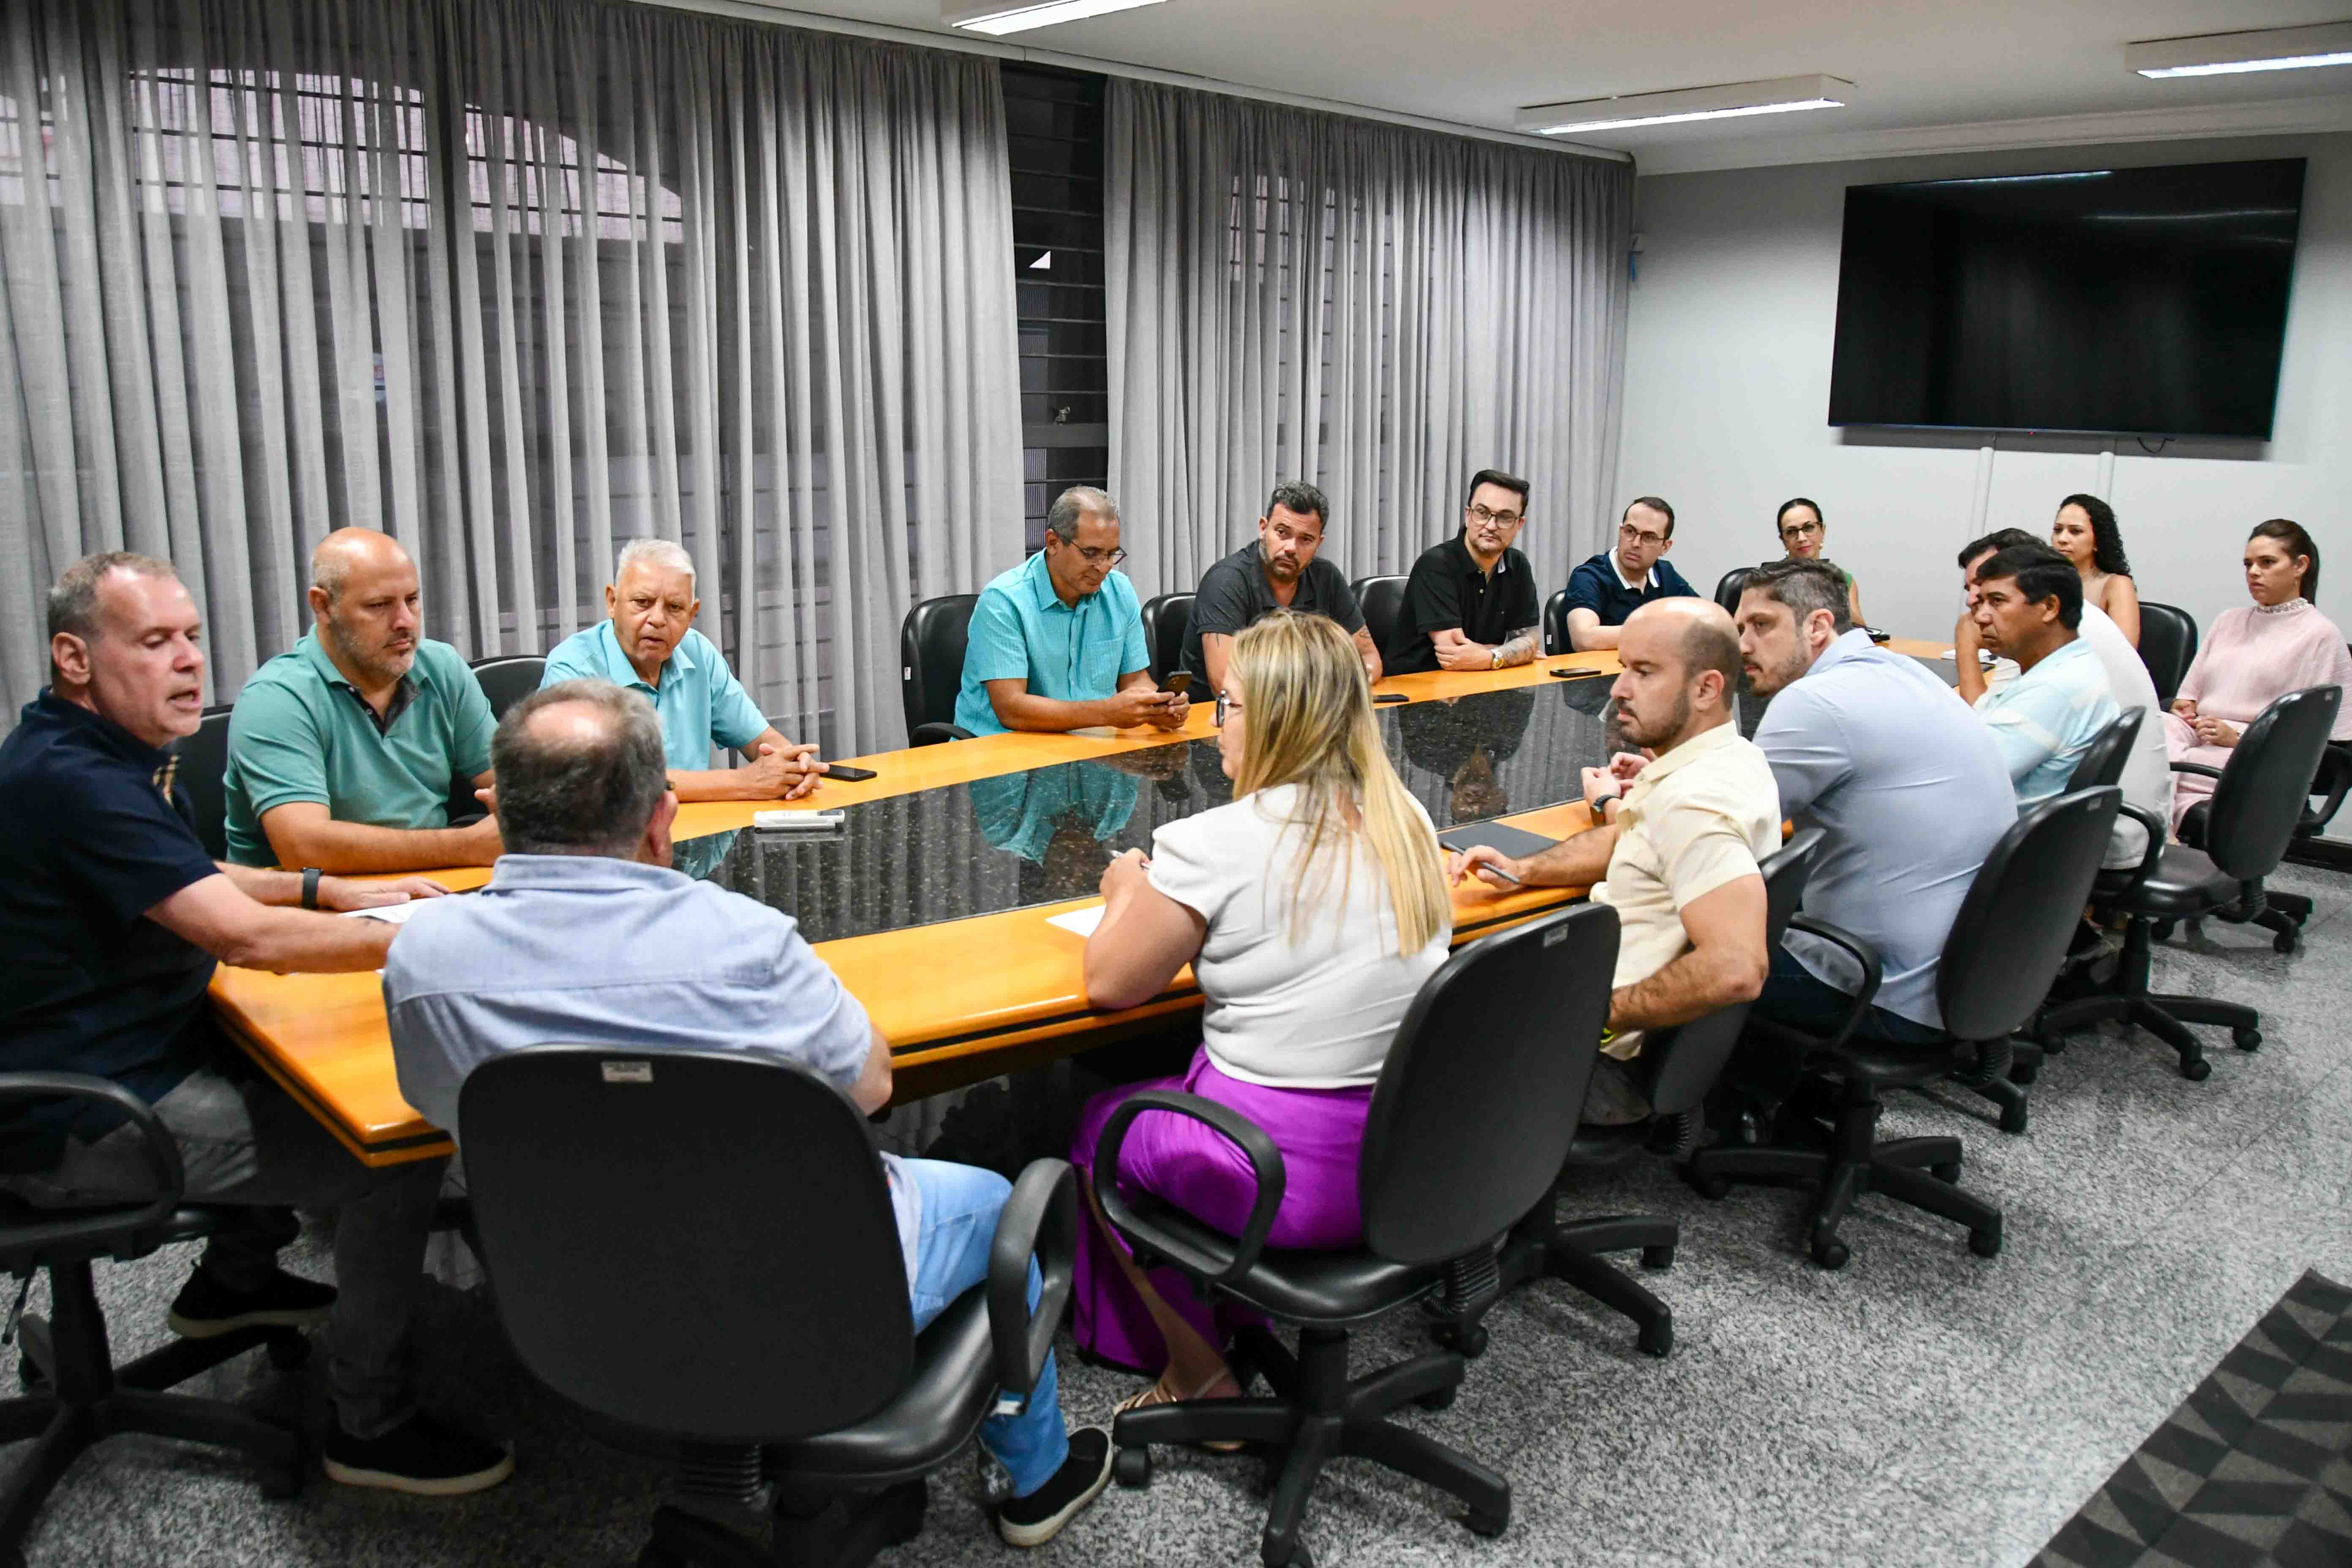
{"x": 2228, "y": 54}
{"x": 1733, "y": 100}
{"x": 1019, "y": 17}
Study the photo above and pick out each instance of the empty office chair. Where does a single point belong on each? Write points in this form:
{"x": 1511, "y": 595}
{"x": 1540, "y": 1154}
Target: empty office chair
{"x": 1555, "y": 625}
{"x": 2005, "y": 948}
{"x": 1676, "y": 1070}
{"x": 1383, "y": 601}
{"x": 930, "y": 676}
{"x": 507, "y": 679}
{"x": 1166, "y": 618}
{"x": 2257, "y": 801}
{"x": 699, "y": 1246}
{"x": 1730, "y": 586}
{"x": 2286, "y": 913}
{"x": 75, "y": 1394}
{"x": 1466, "y": 1134}
{"x": 2167, "y": 646}
{"x": 203, "y": 773}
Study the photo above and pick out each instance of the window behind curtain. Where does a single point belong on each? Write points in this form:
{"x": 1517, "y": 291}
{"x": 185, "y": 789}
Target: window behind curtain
{"x": 1053, "y": 124}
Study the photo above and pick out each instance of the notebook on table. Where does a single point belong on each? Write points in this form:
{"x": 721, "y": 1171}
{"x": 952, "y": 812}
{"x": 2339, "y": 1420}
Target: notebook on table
{"x": 1516, "y": 842}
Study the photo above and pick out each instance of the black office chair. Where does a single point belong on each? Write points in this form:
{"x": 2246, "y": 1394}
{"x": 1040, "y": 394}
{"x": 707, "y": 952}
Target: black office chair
{"x": 2167, "y": 646}
{"x": 2285, "y": 913}
{"x": 204, "y": 773}
{"x": 2006, "y": 945}
{"x": 1729, "y": 587}
{"x": 1383, "y": 601}
{"x": 1555, "y": 640}
{"x": 931, "y": 658}
{"x": 1675, "y": 1072}
{"x": 2257, "y": 801}
{"x": 75, "y": 1394}
{"x": 1466, "y": 1136}
{"x": 507, "y": 679}
{"x": 698, "y": 1247}
{"x": 1166, "y": 618}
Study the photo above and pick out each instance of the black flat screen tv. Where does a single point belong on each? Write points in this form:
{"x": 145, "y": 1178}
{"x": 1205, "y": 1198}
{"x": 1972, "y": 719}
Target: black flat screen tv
{"x": 2126, "y": 302}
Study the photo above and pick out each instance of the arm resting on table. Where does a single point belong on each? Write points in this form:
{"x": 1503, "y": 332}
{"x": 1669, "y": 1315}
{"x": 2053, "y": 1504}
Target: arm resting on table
{"x": 1040, "y": 1220}
{"x": 1222, "y": 1264}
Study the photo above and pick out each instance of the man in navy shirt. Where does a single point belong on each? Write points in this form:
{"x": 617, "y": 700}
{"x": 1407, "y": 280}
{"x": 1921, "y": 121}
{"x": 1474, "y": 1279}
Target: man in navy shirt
{"x": 1614, "y": 584}
{"x": 113, "y": 919}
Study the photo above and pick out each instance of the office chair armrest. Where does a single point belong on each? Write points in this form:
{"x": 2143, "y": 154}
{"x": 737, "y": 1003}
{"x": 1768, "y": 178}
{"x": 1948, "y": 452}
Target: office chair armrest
{"x": 2199, "y": 768}
{"x": 1863, "y": 954}
{"x": 933, "y": 734}
{"x": 2334, "y": 780}
{"x": 1265, "y": 1165}
{"x": 155, "y": 1146}
{"x": 2157, "y": 829}
{"x": 1040, "y": 1220}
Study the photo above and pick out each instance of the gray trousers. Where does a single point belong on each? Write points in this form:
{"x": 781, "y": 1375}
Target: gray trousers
{"x": 245, "y": 1143}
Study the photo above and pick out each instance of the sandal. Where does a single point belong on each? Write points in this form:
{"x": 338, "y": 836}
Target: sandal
{"x": 1158, "y": 1393}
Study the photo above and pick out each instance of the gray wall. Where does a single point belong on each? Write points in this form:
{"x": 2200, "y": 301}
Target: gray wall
{"x": 1727, "y": 391}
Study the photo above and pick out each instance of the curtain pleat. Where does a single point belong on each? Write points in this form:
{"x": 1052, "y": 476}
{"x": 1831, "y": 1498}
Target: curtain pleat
{"x": 1379, "y": 311}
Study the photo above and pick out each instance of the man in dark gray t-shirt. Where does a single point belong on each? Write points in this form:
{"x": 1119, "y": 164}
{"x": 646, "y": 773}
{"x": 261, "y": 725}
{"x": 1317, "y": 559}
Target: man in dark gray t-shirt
{"x": 1278, "y": 570}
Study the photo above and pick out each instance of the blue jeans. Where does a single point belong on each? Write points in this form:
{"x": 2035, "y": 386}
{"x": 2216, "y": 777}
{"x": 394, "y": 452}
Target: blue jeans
{"x": 960, "y": 1206}
{"x": 1792, "y": 995}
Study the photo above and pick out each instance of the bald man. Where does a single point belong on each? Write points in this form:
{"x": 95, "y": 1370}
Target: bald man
{"x": 341, "y": 753}
{"x": 1681, "y": 832}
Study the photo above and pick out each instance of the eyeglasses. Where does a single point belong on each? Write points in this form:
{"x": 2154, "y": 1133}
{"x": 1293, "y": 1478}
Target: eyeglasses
{"x": 1104, "y": 558}
{"x": 1801, "y": 531}
{"x": 1505, "y": 517}
{"x": 1647, "y": 540}
{"x": 1226, "y": 708}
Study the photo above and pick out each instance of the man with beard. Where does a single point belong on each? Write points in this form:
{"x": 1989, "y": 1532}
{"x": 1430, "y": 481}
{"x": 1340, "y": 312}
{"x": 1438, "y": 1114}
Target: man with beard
{"x": 1279, "y": 570}
{"x": 1906, "y": 786}
{"x": 342, "y": 751}
{"x": 1679, "y": 847}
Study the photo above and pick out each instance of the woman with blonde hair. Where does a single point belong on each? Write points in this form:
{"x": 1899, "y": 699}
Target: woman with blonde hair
{"x": 1311, "y": 909}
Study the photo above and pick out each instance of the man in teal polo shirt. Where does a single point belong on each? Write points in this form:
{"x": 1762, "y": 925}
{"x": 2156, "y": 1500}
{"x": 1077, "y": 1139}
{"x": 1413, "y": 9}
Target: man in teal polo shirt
{"x": 1056, "y": 642}
{"x": 649, "y": 643}
{"x": 341, "y": 752}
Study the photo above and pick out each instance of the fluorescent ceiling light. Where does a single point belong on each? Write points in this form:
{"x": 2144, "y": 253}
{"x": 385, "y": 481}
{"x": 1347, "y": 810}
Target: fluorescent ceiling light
{"x": 1020, "y": 16}
{"x": 2228, "y": 54}
{"x": 1734, "y": 100}
{"x": 2024, "y": 179}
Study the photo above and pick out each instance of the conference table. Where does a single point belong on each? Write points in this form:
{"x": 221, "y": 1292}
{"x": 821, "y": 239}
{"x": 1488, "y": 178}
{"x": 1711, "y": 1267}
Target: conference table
{"x": 934, "y": 899}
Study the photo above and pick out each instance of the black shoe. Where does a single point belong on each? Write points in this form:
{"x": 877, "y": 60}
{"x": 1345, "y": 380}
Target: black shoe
{"x": 204, "y": 1308}
{"x": 419, "y": 1456}
{"x": 1037, "y": 1519}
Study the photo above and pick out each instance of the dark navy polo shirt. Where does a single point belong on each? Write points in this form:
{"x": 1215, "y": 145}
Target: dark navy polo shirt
{"x": 1596, "y": 586}
{"x": 93, "y": 986}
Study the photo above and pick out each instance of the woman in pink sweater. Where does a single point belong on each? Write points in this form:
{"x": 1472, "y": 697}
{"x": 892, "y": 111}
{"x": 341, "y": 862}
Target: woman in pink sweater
{"x": 2255, "y": 655}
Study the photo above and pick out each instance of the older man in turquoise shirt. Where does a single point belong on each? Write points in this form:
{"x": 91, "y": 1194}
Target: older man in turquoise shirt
{"x": 1056, "y": 642}
{"x": 648, "y": 642}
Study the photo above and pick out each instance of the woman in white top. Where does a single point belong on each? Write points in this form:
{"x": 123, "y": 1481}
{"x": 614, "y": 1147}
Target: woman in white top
{"x": 1310, "y": 909}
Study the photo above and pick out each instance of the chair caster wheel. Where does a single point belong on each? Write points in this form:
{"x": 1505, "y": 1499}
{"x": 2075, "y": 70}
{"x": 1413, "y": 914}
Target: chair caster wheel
{"x": 1985, "y": 1243}
{"x": 1949, "y": 1170}
{"x": 2023, "y": 1073}
{"x": 284, "y": 1486}
{"x": 1713, "y": 1188}
{"x": 2285, "y": 941}
{"x": 2247, "y": 1040}
{"x": 1291, "y": 1555}
{"x": 1658, "y": 1256}
{"x": 1487, "y": 1525}
{"x": 1830, "y": 1252}
{"x": 287, "y": 1352}
{"x": 1132, "y": 1467}
{"x": 1657, "y": 1339}
{"x": 2196, "y": 1070}
{"x": 2013, "y": 1118}
{"x": 1467, "y": 1340}
{"x": 1437, "y": 1398}
{"x": 2161, "y": 930}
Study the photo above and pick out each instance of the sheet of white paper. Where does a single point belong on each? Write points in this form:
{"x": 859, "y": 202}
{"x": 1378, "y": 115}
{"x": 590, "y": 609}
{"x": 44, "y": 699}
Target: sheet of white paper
{"x": 394, "y": 915}
{"x": 1081, "y": 921}
{"x": 1949, "y": 653}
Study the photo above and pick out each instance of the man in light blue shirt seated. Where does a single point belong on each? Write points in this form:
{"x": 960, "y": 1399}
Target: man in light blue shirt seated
{"x": 1056, "y": 642}
{"x": 2029, "y": 609}
{"x": 1909, "y": 791}
{"x": 648, "y": 642}
{"x": 585, "y": 894}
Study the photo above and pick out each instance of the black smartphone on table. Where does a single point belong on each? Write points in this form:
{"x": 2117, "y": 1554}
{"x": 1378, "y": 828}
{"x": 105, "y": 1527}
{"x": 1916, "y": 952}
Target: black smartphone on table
{"x": 1572, "y": 672}
{"x": 1380, "y": 697}
{"x": 847, "y": 775}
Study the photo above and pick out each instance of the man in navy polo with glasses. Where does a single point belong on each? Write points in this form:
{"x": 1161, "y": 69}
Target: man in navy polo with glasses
{"x": 1607, "y": 589}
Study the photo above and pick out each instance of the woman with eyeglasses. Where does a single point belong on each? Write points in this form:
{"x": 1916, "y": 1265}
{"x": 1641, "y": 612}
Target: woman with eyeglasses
{"x": 2084, "y": 532}
{"x": 1311, "y": 909}
{"x": 1803, "y": 535}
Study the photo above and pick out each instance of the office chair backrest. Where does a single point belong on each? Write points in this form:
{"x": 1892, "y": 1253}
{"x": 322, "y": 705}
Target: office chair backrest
{"x": 2102, "y": 762}
{"x": 507, "y": 679}
{"x": 930, "y": 657}
{"x": 1729, "y": 587}
{"x": 2167, "y": 646}
{"x": 1382, "y": 600}
{"x": 2011, "y": 932}
{"x": 1555, "y": 625}
{"x": 696, "y": 1242}
{"x": 2265, "y": 786}
{"x": 1166, "y": 618}
{"x": 1681, "y": 1065}
{"x": 203, "y": 773}
{"x": 1476, "y": 1104}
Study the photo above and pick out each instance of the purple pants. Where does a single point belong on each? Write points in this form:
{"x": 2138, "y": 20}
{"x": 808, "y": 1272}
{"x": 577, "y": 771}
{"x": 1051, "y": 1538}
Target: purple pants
{"x": 1321, "y": 1133}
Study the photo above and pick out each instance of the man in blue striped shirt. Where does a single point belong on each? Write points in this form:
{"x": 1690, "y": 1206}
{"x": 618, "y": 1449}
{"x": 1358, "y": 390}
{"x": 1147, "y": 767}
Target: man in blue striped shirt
{"x": 2029, "y": 609}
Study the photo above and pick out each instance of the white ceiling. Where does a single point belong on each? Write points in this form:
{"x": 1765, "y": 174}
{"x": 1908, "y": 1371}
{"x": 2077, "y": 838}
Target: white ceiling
{"x": 1915, "y": 63}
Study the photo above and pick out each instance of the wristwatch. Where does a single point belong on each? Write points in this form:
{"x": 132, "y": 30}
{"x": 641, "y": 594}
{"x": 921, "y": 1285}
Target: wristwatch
{"x": 1498, "y": 663}
{"x": 310, "y": 875}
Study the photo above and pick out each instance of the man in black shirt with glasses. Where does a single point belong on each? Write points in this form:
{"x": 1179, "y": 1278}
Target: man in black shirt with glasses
{"x": 1470, "y": 603}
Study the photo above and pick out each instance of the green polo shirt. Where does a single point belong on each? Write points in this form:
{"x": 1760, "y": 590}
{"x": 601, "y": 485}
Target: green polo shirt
{"x": 302, "y": 733}
{"x": 699, "y": 700}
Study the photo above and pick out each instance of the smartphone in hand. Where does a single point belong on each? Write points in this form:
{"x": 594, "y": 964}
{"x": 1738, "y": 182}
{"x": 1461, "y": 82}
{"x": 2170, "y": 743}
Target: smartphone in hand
{"x": 1178, "y": 684}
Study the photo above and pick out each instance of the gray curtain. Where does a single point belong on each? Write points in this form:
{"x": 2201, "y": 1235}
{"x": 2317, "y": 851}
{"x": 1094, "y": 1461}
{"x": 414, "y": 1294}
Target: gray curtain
{"x": 514, "y": 281}
{"x": 1379, "y": 311}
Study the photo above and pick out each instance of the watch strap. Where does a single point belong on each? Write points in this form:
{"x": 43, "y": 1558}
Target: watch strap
{"x": 310, "y": 875}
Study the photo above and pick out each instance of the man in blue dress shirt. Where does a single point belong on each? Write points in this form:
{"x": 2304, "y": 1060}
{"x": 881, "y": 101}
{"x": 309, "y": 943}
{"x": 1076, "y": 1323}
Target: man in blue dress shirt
{"x": 2029, "y": 609}
{"x": 1056, "y": 642}
{"x": 648, "y": 642}
{"x": 1610, "y": 586}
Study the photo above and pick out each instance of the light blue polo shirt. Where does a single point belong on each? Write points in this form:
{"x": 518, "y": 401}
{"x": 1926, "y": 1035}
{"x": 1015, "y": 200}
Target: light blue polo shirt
{"x": 2044, "y": 719}
{"x": 1020, "y": 630}
{"x": 302, "y": 733}
{"x": 699, "y": 700}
